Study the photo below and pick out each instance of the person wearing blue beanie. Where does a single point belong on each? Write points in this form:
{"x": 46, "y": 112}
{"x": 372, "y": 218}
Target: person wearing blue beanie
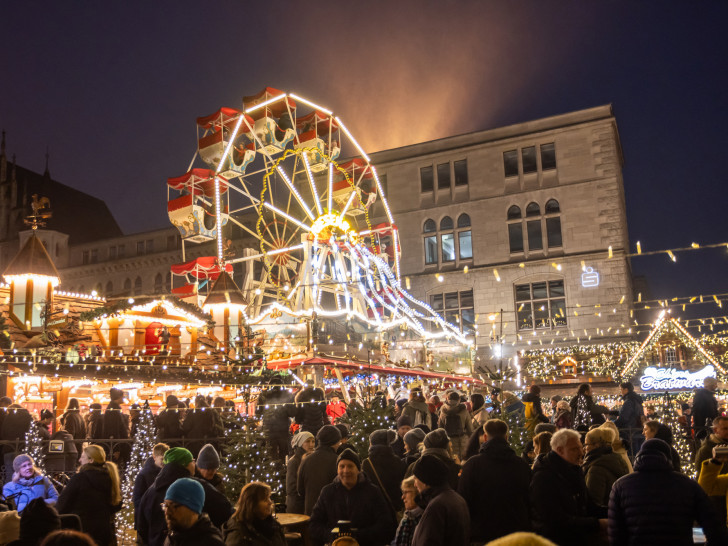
{"x": 187, "y": 524}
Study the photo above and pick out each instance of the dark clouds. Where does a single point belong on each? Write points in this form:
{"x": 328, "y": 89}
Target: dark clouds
{"x": 113, "y": 89}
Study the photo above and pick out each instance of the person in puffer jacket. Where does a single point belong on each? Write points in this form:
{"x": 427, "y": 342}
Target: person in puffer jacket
{"x": 28, "y": 483}
{"x": 602, "y": 467}
{"x": 656, "y": 505}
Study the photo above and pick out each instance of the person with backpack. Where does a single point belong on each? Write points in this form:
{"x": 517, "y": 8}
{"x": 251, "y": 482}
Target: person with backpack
{"x": 417, "y": 409}
{"x": 456, "y": 421}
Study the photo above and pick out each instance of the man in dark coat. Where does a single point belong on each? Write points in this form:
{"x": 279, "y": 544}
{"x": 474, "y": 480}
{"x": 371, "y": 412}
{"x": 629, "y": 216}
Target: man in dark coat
{"x": 446, "y": 520}
{"x": 311, "y": 409}
{"x": 188, "y": 526}
{"x": 719, "y": 436}
{"x": 630, "y": 417}
{"x": 169, "y": 423}
{"x": 149, "y": 472}
{"x": 404, "y": 425}
{"x": 208, "y": 463}
{"x": 352, "y": 497}
{"x": 437, "y": 443}
{"x": 16, "y": 424}
{"x": 655, "y": 505}
{"x": 274, "y": 405}
{"x": 178, "y": 463}
{"x": 560, "y": 507}
{"x": 495, "y": 484}
{"x": 200, "y": 424}
{"x": 384, "y": 469}
{"x": 319, "y": 468}
{"x": 116, "y": 427}
{"x": 705, "y": 408}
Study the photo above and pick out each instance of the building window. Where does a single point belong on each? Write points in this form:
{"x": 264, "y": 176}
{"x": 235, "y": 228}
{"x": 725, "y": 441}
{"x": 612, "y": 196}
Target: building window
{"x": 121, "y": 251}
{"x": 461, "y": 172}
{"x": 171, "y": 242}
{"x": 529, "y": 159}
{"x": 427, "y": 181}
{"x": 140, "y": 248}
{"x": 127, "y": 287}
{"x": 158, "y": 283}
{"x": 540, "y": 305}
{"x": 168, "y": 282}
{"x": 456, "y": 308}
{"x": 670, "y": 355}
{"x": 138, "y": 286}
{"x": 150, "y": 246}
{"x": 112, "y": 253}
{"x": 443, "y": 176}
{"x": 109, "y": 288}
{"x": 510, "y": 163}
{"x": 465, "y": 240}
{"x": 447, "y": 240}
{"x": 430, "y": 230}
{"x": 534, "y": 227}
{"x": 548, "y": 156}
{"x": 85, "y": 257}
{"x": 94, "y": 255}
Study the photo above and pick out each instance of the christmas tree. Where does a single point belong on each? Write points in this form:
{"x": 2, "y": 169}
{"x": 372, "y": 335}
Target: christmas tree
{"x": 362, "y": 422}
{"x": 35, "y": 446}
{"x": 248, "y": 458}
{"x": 144, "y": 441}
{"x": 583, "y": 418}
{"x": 518, "y": 434}
{"x": 669, "y": 416}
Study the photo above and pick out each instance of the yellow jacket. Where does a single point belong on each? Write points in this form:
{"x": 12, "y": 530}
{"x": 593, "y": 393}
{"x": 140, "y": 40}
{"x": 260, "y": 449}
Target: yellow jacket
{"x": 712, "y": 482}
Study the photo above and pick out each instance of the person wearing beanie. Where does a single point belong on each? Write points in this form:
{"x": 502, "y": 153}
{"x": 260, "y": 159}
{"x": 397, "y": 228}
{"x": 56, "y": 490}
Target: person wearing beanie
{"x": 412, "y": 441}
{"x": 178, "y": 463}
{"x": 384, "y": 469}
{"x": 404, "y": 425}
{"x": 456, "y": 420}
{"x": 28, "y": 483}
{"x": 169, "y": 423}
{"x": 672, "y": 500}
{"x": 303, "y": 443}
{"x": 319, "y": 468}
{"x": 496, "y": 467}
{"x": 437, "y": 443}
{"x": 352, "y": 497}
{"x": 37, "y": 521}
{"x": 187, "y": 524}
{"x": 207, "y": 463}
{"x": 446, "y": 520}
{"x": 417, "y": 409}
{"x": 344, "y": 430}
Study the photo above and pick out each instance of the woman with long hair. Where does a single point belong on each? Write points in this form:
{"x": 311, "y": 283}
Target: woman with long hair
{"x": 94, "y": 495}
{"x": 253, "y": 523}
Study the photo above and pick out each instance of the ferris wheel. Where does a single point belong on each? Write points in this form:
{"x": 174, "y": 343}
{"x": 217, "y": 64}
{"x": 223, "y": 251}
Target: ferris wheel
{"x": 322, "y": 234}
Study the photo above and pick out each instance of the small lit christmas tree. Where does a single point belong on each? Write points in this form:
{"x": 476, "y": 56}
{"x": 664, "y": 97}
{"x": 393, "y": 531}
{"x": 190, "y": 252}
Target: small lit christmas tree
{"x": 669, "y": 416}
{"x": 518, "y": 434}
{"x": 248, "y": 458}
{"x": 144, "y": 441}
{"x": 362, "y": 422}
{"x": 583, "y": 418}
{"x": 35, "y": 446}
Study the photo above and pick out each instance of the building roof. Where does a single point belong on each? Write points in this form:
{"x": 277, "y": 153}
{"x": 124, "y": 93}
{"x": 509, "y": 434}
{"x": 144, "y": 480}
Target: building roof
{"x": 33, "y": 259}
{"x": 225, "y": 291}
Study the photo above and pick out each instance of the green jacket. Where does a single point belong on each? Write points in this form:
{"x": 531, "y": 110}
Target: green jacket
{"x": 602, "y": 467}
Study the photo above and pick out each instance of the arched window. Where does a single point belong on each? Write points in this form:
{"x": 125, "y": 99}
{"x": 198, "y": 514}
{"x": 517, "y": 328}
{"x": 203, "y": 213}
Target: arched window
{"x": 533, "y": 209}
{"x": 82, "y": 289}
{"x": 447, "y": 240}
{"x": 168, "y": 282}
{"x": 446, "y": 223}
{"x": 463, "y": 221}
{"x": 158, "y": 283}
{"x": 552, "y": 206}
{"x": 98, "y": 288}
{"x": 127, "y": 287}
{"x": 453, "y": 243}
{"x": 430, "y": 226}
{"x": 109, "y": 288}
{"x": 465, "y": 237}
{"x": 138, "y": 286}
{"x": 514, "y": 213}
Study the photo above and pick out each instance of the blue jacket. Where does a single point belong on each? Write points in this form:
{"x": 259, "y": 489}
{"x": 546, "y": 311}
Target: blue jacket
{"x": 40, "y": 487}
{"x": 630, "y": 416}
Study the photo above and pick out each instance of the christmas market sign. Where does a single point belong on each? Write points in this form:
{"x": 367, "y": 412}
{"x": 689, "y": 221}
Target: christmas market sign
{"x": 52, "y": 385}
{"x": 147, "y": 392}
{"x": 663, "y": 379}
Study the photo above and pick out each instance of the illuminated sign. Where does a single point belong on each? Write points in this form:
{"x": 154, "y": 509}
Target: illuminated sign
{"x": 663, "y": 379}
{"x": 589, "y": 278}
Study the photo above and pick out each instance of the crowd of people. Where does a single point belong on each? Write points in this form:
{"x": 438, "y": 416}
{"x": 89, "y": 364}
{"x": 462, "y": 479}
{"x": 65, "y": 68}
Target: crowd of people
{"x": 446, "y": 472}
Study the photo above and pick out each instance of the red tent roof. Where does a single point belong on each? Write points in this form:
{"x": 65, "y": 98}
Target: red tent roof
{"x": 321, "y": 120}
{"x": 353, "y": 166}
{"x": 197, "y": 181}
{"x": 224, "y": 116}
{"x": 205, "y": 267}
{"x": 276, "y": 109}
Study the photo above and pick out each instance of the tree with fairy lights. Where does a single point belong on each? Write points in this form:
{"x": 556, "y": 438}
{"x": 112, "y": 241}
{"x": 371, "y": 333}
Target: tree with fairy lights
{"x": 36, "y": 445}
{"x": 670, "y": 416}
{"x": 362, "y": 422}
{"x": 144, "y": 441}
{"x": 249, "y": 457}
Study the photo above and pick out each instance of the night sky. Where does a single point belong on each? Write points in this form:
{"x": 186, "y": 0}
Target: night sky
{"x": 113, "y": 90}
